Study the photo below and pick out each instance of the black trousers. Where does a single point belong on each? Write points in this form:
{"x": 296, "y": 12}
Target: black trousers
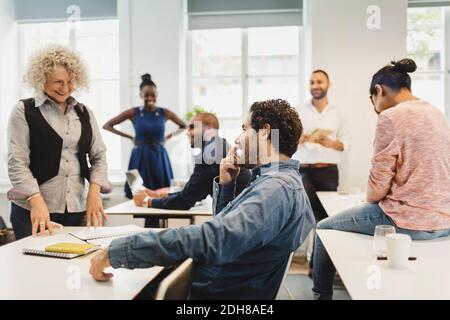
{"x": 152, "y": 222}
{"x": 319, "y": 179}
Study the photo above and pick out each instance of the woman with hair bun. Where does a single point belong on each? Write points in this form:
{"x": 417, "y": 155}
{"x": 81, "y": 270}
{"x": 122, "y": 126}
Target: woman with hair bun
{"x": 409, "y": 181}
{"x": 149, "y": 155}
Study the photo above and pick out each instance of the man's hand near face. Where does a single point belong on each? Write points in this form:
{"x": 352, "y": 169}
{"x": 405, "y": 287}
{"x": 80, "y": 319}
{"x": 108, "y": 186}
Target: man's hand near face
{"x": 229, "y": 169}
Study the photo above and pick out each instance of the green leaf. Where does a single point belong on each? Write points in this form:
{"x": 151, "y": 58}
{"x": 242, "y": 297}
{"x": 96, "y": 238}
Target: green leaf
{"x": 197, "y": 109}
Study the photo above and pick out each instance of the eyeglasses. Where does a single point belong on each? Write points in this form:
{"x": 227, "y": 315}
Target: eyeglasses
{"x": 371, "y": 99}
{"x": 372, "y": 95}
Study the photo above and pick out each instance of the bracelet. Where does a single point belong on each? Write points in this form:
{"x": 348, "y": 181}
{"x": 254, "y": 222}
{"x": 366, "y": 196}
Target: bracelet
{"x": 145, "y": 201}
{"x": 33, "y": 196}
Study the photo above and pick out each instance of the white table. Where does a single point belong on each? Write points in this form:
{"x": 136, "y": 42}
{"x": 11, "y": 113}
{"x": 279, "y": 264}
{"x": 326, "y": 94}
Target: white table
{"x": 368, "y": 279}
{"x": 33, "y": 277}
{"x": 335, "y": 203}
{"x": 129, "y": 208}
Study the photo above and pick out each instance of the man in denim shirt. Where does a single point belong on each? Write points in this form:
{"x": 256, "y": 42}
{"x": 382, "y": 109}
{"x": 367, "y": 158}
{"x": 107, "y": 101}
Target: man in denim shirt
{"x": 243, "y": 251}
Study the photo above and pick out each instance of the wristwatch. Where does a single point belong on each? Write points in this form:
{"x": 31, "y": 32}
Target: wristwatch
{"x": 145, "y": 201}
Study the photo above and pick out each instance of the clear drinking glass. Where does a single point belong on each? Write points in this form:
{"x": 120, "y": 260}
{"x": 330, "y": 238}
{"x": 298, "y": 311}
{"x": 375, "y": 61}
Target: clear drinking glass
{"x": 379, "y": 239}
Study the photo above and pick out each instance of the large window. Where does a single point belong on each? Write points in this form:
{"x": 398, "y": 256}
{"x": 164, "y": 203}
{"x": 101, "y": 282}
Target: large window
{"x": 231, "y": 68}
{"x": 98, "y": 43}
{"x": 427, "y": 45}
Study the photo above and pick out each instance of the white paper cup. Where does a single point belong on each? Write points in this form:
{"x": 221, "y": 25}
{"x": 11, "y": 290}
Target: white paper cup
{"x": 398, "y": 248}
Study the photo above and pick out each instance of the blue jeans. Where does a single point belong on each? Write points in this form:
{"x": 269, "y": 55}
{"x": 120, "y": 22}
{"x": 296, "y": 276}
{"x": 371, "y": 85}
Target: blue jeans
{"x": 21, "y": 222}
{"x": 362, "y": 219}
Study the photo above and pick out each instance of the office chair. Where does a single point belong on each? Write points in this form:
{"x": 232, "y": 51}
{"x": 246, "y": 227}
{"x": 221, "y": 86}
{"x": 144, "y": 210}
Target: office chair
{"x": 177, "y": 285}
{"x": 283, "y": 281}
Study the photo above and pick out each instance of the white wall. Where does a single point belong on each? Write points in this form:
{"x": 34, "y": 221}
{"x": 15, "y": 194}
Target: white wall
{"x": 339, "y": 42}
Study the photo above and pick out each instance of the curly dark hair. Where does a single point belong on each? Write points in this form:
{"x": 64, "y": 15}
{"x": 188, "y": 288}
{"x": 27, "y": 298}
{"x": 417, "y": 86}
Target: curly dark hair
{"x": 279, "y": 115}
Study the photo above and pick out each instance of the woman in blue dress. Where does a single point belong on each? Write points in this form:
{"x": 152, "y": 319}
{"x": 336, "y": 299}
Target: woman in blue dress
{"x": 149, "y": 155}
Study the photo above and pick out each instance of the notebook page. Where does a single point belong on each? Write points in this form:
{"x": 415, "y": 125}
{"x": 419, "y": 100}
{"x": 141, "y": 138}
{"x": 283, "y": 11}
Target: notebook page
{"x": 106, "y": 232}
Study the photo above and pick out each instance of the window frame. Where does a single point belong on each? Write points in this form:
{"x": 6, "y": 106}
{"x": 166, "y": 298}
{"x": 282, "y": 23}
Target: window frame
{"x": 446, "y": 57}
{"x": 244, "y": 76}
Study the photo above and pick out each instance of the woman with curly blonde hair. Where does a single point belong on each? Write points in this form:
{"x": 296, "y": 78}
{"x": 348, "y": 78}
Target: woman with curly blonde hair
{"x": 54, "y": 145}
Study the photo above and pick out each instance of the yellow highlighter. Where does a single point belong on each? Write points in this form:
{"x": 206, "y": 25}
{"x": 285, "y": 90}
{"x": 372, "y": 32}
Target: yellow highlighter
{"x": 74, "y": 248}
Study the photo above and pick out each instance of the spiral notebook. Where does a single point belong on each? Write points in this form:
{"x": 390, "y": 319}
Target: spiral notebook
{"x": 107, "y": 232}
{"x": 62, "y": 250}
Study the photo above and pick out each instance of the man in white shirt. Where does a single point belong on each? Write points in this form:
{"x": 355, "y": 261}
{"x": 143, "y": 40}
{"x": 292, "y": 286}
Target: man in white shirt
{"x": 322, "y": 145}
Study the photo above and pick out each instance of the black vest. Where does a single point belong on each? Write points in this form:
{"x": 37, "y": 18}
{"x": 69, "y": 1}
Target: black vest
{"x": 46, "y": 145}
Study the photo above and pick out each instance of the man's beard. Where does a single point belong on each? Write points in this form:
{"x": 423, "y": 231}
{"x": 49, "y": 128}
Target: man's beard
{"x": 250, "y": 162}
{"x": 323, "y": 94}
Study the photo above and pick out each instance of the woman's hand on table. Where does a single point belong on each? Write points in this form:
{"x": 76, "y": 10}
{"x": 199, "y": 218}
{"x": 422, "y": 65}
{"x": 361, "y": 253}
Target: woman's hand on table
{"x": 40, "y": 217}
{"x": 95, "y": 215}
